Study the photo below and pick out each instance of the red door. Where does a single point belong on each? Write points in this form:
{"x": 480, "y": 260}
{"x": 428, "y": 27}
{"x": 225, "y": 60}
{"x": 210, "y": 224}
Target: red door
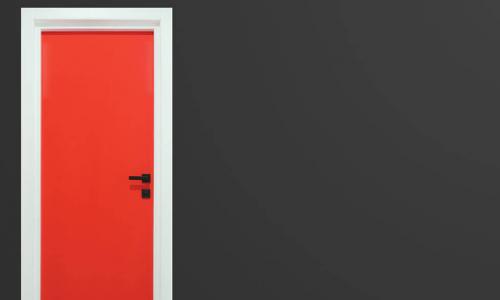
{"x": 97, "y": 130}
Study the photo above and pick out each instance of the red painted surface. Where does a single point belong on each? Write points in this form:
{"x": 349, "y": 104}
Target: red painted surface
{"x": 97, "y": 129}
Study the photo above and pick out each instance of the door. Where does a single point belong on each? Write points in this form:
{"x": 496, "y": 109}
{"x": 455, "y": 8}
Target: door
{"x": 97, "y": 130}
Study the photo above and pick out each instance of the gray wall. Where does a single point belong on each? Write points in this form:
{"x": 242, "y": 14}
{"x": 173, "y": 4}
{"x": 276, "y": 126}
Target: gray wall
{"x": 322, "y": 149}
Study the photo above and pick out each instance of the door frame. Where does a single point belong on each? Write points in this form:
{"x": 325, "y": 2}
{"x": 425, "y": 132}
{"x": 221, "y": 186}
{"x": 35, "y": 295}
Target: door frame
{"x": 33, "y": 22}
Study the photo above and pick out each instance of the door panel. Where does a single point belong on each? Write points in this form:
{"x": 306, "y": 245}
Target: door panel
{"x": 97, "y": 129}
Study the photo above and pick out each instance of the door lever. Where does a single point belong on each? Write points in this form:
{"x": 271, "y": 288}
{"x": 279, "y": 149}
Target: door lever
{"x": 145, "y": 178}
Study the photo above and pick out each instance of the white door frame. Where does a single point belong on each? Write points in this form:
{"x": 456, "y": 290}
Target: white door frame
{"x": 33, "y": 22}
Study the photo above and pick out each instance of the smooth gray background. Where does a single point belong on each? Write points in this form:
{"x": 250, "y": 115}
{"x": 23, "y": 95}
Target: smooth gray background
{"x": 322, "y": 149}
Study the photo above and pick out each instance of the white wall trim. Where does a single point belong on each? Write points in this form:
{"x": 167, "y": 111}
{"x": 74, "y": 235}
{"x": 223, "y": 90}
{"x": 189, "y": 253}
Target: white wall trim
{"x": 33, "y": 22}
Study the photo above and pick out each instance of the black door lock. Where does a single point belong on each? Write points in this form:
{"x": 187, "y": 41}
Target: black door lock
{"x": 145, "y": 178}
{"x": 146, "y": 193}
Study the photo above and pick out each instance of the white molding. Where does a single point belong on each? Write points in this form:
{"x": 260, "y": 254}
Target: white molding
{"x": 33, "y": 22}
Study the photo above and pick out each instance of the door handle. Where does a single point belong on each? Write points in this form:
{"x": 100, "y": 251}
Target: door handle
{"x": 145, "y": 178}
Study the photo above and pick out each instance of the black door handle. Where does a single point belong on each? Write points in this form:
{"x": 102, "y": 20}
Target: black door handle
{"x": 145, "y": 178}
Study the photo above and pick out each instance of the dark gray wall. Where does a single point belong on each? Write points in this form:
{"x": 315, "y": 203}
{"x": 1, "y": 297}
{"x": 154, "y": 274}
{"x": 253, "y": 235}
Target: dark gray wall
{"x": 322, "y": 149}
